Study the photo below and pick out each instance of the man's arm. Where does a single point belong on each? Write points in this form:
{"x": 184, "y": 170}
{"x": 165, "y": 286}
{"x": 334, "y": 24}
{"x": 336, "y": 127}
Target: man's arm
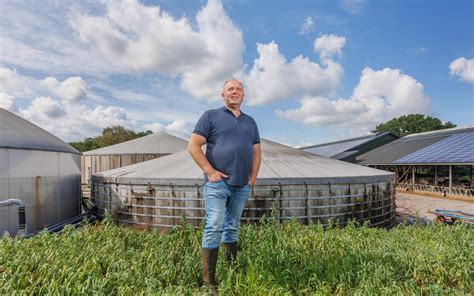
{"x": 256, "y": 159}
{"x": 194, "y": 147}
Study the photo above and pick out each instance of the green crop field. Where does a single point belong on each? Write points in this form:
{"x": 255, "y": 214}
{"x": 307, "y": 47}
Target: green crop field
{"x": 275, "y": 259}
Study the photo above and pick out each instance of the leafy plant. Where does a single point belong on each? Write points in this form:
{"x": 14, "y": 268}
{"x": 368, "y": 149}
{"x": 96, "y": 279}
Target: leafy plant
{"x": 275, "y": 259}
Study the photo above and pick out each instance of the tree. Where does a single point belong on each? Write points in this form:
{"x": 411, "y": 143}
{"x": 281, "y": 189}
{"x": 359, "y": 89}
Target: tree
{"x": 412, "y": 123}
{"x": 114, "y": 135}
{"x": 110, "y": 136}
{"x": 145, "y": 133}
{"x": 86, "y": 144}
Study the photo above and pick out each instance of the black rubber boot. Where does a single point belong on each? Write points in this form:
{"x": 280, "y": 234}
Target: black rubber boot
{"x": 208, "y": 263}
{"x": 230, "y": 250}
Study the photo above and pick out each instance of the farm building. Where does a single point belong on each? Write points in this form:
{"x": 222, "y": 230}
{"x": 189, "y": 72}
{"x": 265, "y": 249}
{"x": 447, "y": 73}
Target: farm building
{"x": 439, "y": 162}
{"x": 131, "y": 152}
{"x": 292, "y": 184}
{"x": 38, "y": 171}
{"x": 349, "y": 149}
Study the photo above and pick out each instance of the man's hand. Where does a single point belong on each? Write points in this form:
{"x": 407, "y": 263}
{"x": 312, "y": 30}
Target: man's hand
{"x": 252, "y": 181}
{"x": 257, "y": 156}
{"x": 216, "y": 176}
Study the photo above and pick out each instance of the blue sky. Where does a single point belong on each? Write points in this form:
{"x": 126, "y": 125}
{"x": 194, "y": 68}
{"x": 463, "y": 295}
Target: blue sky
{"x": 314, "y": 71}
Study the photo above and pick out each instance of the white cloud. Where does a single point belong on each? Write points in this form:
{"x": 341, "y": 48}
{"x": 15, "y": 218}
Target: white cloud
{"x": 307, "y": 26}
{"x": 329, "y": 46}
{"x": 320, "y": 111}
{"x": 81, "y": 121}
{"x": 225, "y": 44}
{"x": 132, "y": 38}
{"x": 44, "y": 108}
{"x": 463, "y": 68}
{"x": 8, "y": 102}
{"x": 273, "y": 78}
{"x": 73, "y": 121}
{"x": 179, "y": 128}
{"x": 8, "y": 79}
{"x": 140, "y": 38}
{"x": 37, "y": 36}
{"x": 71, "y": 89}
{"x": 379, "y": 96}
{"x": 353, "y": 6}
{"x": 106, "y": 116}
{"x": 11, "y": 82}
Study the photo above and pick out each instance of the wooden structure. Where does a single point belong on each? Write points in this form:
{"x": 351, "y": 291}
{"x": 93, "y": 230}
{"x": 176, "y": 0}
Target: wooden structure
{"x": 131, "y": 152}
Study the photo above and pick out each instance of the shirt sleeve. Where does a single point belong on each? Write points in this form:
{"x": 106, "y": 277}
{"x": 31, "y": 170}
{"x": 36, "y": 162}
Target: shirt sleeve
{"x": 256, "y": 138}
{"x": 203, "y": 126}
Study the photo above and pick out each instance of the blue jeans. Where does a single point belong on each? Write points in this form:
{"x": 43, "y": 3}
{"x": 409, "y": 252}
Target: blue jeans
{"x": 224, "y": 206}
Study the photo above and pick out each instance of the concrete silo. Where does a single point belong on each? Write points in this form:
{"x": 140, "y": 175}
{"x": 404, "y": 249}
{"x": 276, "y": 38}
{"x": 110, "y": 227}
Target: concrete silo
{"x": 130, "y": 152}
{"x": 292, "y": 184}
{"x": 40, "y": 170}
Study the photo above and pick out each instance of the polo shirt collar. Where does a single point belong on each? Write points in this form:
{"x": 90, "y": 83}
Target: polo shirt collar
{"x": 229, "y": 111}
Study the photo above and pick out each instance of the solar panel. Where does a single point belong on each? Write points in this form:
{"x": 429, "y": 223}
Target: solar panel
{"x": 457, "y": 148}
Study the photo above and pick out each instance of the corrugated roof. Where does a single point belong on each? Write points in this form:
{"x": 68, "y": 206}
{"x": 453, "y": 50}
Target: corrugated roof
{"x": 345, "y": 154}
{"x": 156, "y": 143}
{"x": 18, "y": 133}
{"x": 331, "y": 149}
{"x": 393, "y": 151}
{"x": 279, "y": 162}
{"x": 336, "y": 149}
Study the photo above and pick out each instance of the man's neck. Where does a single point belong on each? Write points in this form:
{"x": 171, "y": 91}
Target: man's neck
{"x": 234, "y": 109}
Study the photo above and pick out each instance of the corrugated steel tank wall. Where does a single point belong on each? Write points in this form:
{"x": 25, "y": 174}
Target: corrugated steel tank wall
{"x": 49, "y": 184}
{"x": 164, "y": 206}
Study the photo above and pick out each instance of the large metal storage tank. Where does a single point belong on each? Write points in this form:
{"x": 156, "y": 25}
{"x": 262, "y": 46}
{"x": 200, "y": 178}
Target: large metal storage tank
{"x": 130, "y": 152}
{"x": 292, "y": 184}
{"x": 39, "y": 169}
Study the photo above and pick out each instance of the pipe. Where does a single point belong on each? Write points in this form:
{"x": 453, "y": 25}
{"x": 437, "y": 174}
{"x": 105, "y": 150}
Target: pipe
{"x": 74, "y": 221}
{"x": 21, "y": 213}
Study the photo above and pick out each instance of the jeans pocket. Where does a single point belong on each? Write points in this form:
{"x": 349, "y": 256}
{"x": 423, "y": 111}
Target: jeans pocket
{"x": 216, "y": 181}
{"x": 209, "y": 183}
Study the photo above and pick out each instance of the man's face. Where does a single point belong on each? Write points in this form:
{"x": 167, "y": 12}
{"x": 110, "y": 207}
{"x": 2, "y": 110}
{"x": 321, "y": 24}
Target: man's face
{"x": 233, "y": 94}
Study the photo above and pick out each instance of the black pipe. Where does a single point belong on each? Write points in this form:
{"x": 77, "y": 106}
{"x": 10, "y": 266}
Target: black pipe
{"x": 74, "y": 221}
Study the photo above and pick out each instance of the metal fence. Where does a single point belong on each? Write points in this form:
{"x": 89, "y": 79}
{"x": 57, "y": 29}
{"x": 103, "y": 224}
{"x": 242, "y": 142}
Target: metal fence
{"x": 438, "y": 190}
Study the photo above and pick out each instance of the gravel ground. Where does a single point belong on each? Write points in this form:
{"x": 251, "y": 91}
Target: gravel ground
{"x": 411, "y": 206}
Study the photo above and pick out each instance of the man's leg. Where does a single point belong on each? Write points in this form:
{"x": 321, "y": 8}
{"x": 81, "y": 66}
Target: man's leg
{"x": 215, "y": 197}
{"x": 235, "y": 207}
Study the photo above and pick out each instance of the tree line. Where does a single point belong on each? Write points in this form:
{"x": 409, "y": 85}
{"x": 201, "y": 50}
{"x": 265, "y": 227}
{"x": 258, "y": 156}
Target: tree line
{"x": 412, "y": 124}
{"x": 110, "y": 136}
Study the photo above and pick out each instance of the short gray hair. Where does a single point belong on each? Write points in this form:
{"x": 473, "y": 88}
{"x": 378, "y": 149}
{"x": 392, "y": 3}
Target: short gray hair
{"x": 233, "y": 79}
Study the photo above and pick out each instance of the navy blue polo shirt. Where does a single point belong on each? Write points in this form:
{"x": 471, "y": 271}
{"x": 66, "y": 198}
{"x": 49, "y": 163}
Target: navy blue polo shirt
{"x": 230, "y": 143}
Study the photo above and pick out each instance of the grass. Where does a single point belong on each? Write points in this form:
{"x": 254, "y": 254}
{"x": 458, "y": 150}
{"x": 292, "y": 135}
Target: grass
{"x": 275, "y": 259}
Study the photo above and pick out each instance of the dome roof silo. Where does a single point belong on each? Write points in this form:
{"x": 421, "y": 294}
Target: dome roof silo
{"x": 295, "y": 183}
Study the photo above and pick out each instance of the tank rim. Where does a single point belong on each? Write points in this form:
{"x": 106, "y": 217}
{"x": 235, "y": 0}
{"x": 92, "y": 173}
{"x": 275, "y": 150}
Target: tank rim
{"x": 269, "y": 181}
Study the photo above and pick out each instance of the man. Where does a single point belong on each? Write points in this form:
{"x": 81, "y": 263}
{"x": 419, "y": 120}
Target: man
{"x": 230, "y": 167}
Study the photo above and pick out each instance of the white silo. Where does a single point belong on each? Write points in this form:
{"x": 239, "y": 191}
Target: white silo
{"x": 40, "y": 170}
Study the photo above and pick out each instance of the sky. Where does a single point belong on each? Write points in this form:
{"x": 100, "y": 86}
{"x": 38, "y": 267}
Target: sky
{"x": 313, "y": 71}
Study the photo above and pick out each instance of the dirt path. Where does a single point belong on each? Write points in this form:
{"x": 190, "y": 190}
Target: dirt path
{"x": 417, "y": 205}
